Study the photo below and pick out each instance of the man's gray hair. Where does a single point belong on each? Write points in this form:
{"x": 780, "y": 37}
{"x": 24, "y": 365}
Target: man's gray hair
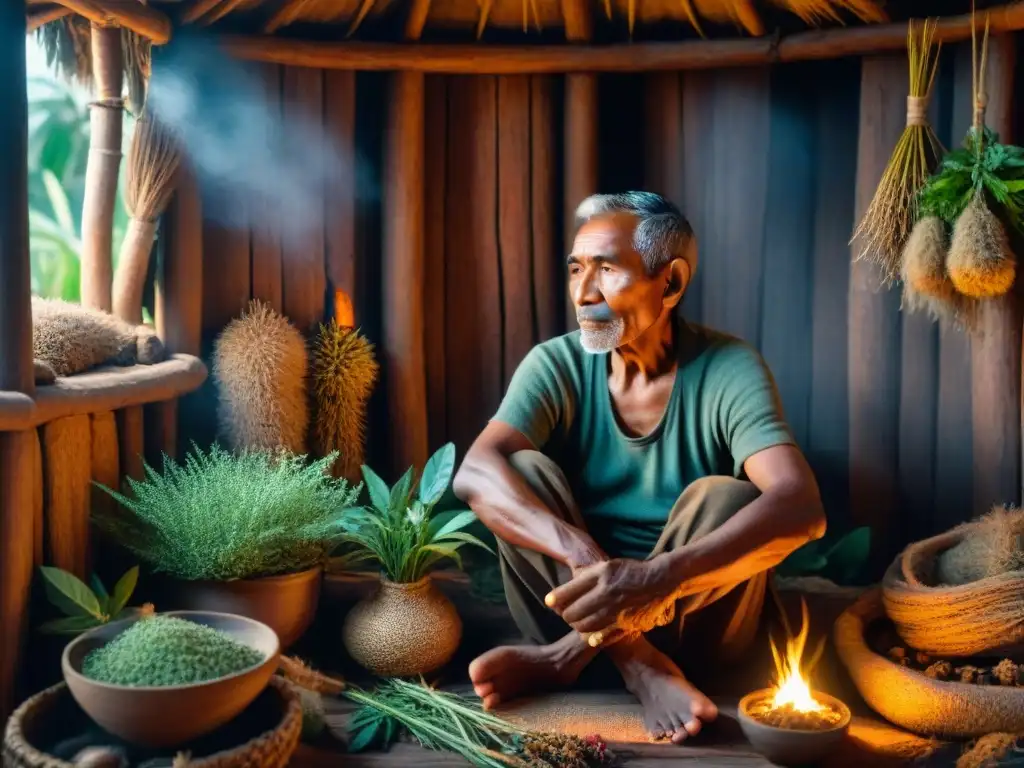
{"x": 662, "y": 232}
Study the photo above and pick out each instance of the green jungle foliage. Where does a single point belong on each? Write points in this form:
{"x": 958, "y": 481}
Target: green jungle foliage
{"x": 58, "y": 149}
{"x": 221, "y": 516}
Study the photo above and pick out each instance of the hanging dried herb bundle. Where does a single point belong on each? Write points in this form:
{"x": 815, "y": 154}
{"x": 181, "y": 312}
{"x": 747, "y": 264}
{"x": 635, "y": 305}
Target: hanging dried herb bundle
{"x": 927, "y": 286}
{"x": 447, "y": 722}
{"x": 152, "y": 175}
{"x": 886, "y": 225}
{"x": 970, "y": 182}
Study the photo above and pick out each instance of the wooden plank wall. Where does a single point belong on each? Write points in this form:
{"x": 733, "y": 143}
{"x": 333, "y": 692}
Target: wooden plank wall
{"x": 910, "y": 428}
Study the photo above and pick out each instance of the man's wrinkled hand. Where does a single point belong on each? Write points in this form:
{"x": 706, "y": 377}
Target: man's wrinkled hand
{"x": 593, "y": 599}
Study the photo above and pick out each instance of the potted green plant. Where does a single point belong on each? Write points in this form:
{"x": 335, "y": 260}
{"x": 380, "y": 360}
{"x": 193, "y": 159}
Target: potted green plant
{"x": 407, "y": 626}
{"x": 243, "y": 533}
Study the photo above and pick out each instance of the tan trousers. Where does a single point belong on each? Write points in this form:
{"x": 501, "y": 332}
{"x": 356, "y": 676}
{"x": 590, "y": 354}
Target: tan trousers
{"x": 722, "y": 622}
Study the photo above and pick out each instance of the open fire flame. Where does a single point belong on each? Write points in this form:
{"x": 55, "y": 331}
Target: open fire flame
{"x": 792, "y": 688}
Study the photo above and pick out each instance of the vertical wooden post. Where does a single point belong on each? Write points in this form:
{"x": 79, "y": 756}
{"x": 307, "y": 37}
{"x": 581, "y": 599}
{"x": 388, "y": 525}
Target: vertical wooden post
{"x": 580, "y": 144}
{"x": 101, "y": 172}
{"x": 178, "y": 304}
{"x": 403, "y": 273}
{"x": 17, "y": 524}
{"x": 874, "y": 316}
{"x": 996, "y": 353}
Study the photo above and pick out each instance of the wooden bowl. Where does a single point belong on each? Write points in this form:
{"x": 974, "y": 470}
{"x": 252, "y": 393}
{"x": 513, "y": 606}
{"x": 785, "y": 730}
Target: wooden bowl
{"x": 163, "y": 716}
{"x": 787, "y": 746}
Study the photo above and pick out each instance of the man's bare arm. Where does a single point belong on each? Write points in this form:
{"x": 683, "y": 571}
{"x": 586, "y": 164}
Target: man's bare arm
{"x": 786, "y": 515}
{"x": 508, "y": 506}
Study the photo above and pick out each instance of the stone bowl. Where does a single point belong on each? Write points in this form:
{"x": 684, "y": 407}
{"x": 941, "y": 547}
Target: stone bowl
{"x": 164, "y": 716}
{"x": 787, "y": 746}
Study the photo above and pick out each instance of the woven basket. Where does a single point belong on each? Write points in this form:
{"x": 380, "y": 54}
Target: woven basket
{"x": 984, "y": 617}
{"x": 270, "y": 749}
{"x": 913, "y": 701}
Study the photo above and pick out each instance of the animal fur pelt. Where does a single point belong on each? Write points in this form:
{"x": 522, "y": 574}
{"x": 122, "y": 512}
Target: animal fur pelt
{"x": 68, "y": 339}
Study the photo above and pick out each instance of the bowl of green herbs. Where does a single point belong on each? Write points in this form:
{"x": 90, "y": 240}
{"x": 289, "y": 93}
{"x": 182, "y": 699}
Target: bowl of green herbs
{"x": 164, "y": 679}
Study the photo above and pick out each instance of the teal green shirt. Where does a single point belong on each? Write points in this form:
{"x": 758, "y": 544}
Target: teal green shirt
{"x": 723, "y": 409}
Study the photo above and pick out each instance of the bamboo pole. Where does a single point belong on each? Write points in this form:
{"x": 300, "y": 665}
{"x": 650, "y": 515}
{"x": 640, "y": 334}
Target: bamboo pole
{"x": 101, "y": 172}
{"x": 17, "y": 525}
{"x": 44, "y": 14}
{"x": 638, "y": 57}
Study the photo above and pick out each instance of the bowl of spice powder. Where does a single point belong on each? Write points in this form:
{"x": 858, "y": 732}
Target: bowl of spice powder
{"x": 165, "y": 679}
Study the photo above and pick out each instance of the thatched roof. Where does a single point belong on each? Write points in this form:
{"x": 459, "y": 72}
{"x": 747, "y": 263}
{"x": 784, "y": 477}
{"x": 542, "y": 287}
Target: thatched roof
{"x": 466, "y": 20}
{"x": 517, "y": 35}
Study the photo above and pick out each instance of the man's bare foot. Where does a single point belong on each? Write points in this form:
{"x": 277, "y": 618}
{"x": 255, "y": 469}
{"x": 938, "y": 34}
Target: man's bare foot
{"x": 506, "y": 672}
{"x": 673, "y": 707}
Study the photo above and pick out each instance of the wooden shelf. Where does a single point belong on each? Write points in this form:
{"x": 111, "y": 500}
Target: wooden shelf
{"x": 102, "y": 389}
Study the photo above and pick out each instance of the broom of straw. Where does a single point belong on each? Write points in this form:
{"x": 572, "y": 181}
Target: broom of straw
{"x": 886, "y": 225}
{"x": 153, "y": 162}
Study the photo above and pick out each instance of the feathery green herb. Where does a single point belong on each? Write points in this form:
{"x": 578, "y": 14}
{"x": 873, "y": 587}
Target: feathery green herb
{"x": 399, "y": 532}
{"x": 221, "y": 516}
{"x": 447, "y": 722}
{"x": 166, "y": 650}
{"x": 987, "y": 165}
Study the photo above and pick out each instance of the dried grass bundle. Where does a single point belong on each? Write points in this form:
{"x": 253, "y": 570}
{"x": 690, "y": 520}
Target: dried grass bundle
{"x": 260, "y": 365}
{"x": 742, "y": 13}
{"x": 67, "y": 43}
{"x": 995, "y": 547}
{"x": 887, "y": 222}
{"x": 152, "y": 172}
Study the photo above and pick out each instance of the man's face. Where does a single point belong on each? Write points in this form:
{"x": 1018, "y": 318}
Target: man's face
{"x": 615, "y": 299}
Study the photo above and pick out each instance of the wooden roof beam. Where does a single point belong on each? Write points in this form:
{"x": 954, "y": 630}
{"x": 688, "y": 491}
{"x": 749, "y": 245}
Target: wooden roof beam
{"x": 129, "y": 14}
{"x": 636, "y": 57}
{"x": 39, "y": 15}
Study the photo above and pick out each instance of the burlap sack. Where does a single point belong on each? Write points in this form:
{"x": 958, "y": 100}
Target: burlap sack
{"x": 984, "y": 617}
{"x": 913, "y": 701}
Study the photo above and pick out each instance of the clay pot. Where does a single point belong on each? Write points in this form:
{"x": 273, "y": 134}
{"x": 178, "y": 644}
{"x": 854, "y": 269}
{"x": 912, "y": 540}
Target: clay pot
{"x": 785, "y": 746}
{"x": 287, "y": 604}
{"x": 165, "y": 716}
{"x": 403, "y": 629}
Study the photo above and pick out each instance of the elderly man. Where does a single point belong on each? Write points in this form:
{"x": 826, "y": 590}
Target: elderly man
{"x": 638, "y": 464}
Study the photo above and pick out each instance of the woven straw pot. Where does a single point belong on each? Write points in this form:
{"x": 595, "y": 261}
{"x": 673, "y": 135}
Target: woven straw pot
{"x": 271, "y": 749}
{"x": 913, "y": 701}
{"x": 403, "y": 629}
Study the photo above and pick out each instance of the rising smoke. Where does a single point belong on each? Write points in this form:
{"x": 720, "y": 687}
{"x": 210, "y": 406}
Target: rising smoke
{"x": 246, "y": 154}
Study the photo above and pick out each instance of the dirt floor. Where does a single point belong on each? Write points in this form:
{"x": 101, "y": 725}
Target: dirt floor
{"x": 596, "y": 706}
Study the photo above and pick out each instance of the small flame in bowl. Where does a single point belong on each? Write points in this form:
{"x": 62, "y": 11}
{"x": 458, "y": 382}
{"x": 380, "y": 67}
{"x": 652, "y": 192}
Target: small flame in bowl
{"x": 793, "y": 689}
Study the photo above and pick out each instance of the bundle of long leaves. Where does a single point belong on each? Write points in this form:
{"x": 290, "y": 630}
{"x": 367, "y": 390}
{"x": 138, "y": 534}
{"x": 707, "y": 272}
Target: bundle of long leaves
{"x": 222, "y": 516}
{"x": 447, "y": 722}
{"x": 983, "y": 165}
{"x": 399, "y": 531}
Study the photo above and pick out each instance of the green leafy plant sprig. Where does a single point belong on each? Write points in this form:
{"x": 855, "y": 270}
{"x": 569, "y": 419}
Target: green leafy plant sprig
{"x": 445, "y": 721}
{"x": 399, "y": 531}
{"x": 981, "y": 163}
{"x": 85, "y": 607}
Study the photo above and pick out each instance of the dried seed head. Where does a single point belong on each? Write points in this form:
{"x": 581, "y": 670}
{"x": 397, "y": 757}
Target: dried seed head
{"x": 981, "y": 264}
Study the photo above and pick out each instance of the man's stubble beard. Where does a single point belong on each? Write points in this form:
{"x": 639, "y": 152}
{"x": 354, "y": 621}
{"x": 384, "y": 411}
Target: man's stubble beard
{"x": 604, "y": 340}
